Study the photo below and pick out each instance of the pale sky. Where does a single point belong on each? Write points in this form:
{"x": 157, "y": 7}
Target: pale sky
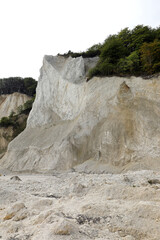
{"x": 31, "y": 29}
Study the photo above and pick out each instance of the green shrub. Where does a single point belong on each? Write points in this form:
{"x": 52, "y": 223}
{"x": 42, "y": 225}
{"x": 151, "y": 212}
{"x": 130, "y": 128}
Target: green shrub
{"x": 6, "y": 121}
{"x": 129, "y": 64}
{"x": 30, "y": 86}
{"x": 26, "y": 108}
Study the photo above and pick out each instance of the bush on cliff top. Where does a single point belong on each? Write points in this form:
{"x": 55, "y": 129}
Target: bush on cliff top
{"x": 91, "y": 52}
{"x": 130, "y": 52}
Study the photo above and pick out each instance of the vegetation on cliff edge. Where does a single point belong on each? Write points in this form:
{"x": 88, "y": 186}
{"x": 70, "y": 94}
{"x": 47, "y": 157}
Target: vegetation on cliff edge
{"x": 13, "y": 119}
{"x": 16, "y": 121}
{"x": 18, "y": 84}
{"x": 130, "y": 52}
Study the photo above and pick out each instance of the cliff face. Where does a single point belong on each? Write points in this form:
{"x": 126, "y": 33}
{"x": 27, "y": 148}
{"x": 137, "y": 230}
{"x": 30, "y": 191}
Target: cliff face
{"x": 6, "y": 135}
{"x": 14, "y": 92}
{"x": 10, "y": 102}
{"x": 107, "y": 124}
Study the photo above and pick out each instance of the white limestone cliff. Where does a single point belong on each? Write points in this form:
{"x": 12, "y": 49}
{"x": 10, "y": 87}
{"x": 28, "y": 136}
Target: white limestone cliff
{"x": 108, "y": 124}
{"x": 10, "y": 102}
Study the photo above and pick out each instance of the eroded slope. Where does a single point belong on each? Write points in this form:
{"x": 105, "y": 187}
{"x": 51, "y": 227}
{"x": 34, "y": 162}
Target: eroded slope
{"x": 107, "y": 124}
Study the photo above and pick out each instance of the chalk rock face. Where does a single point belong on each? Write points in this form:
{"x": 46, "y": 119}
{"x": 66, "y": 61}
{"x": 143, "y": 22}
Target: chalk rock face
{"x": 60, "y": 92}
{"x": 108, "y": 124}
{"x": 10, "y": 103}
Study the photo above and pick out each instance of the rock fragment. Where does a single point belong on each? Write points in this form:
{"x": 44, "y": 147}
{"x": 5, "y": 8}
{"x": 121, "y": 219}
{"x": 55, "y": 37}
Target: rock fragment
{"x": 64, "y": 227}
{"x": 15, "y": 178}
{"x": 17, "y": 212}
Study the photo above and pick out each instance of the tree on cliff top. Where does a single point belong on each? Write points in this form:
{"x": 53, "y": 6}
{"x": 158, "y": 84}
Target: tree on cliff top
{"x": 129, "y": 52}
{"x": 17, "y": 84}
{"x": 150, "y": 56}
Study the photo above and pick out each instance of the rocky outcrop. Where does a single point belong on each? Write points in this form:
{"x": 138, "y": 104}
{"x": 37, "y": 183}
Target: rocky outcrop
{"x": 10, "y": 102}
{"x": 107, "y": 124}
{"x": 6, "y": 135}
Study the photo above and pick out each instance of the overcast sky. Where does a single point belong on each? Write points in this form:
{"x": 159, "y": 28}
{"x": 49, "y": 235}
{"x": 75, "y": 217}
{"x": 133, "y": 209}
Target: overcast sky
{"x": 30, "y": 29}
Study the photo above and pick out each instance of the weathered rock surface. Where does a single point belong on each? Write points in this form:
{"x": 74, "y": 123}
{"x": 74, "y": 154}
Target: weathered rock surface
{"x": 108, "y": 124}
{"x": 10, "y": 102}
{"x": 112, "y": 207}
{"x": 6, "y": 135}
{"x": 16, "y": 212}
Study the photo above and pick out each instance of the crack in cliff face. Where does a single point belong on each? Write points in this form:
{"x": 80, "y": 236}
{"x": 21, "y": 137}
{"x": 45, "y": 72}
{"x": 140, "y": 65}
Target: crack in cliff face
{"x": 107, "y": 124}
